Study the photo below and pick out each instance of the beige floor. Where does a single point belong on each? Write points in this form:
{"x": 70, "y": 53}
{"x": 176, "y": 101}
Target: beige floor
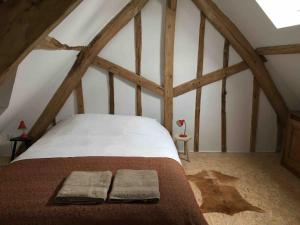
{"x": 262, "y": 182}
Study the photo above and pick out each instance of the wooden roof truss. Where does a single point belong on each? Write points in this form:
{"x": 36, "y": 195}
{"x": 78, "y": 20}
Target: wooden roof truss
{"x": 88, "y": 56}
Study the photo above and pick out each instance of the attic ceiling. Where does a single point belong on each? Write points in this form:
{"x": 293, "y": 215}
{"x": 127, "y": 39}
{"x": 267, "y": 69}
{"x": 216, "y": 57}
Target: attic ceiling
{"x": 260, "y": 31}
{"x": 23, "y": 24}
{"x": 247, "y": 15}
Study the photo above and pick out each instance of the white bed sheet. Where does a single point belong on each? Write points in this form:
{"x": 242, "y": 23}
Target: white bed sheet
{"x": 104, "y": 135}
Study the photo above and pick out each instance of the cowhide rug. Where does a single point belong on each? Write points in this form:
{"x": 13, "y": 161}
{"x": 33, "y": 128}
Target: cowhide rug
{"x": 219, "y": 194}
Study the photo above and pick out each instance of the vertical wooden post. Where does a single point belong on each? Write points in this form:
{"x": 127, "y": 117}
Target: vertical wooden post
{"x": 54, "y": 122}
{"x": 224, "y": 93}
{"x": 255, "y": 108}
{"x": 170, "y": 17}
{"x": 138, "y": 53}
{"x": 111, "y": 93}
{"x": 280, "y": 135}
{"x": 79, "y": 97}
{"x": 199, "y": 74}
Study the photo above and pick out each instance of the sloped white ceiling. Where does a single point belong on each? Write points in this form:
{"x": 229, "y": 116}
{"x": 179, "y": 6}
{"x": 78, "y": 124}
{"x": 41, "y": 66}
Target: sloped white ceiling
{"x": 259, "y": 30}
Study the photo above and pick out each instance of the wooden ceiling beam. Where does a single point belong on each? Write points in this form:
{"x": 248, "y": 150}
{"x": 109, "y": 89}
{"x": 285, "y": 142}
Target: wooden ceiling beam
{"x": 128, "y": 75}
{"x": 279, "y": 49}
{"x": 237, "y": 40}
{"x": 23, "y": 24}
{"x": 85, "y": 58}
{"x": 209, "y": 78}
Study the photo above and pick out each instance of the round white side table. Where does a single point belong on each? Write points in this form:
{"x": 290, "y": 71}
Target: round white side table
{"x": 185, "y": 141}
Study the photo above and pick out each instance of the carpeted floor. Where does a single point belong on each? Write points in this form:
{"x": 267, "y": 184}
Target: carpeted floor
{"x": 273, "y": 193}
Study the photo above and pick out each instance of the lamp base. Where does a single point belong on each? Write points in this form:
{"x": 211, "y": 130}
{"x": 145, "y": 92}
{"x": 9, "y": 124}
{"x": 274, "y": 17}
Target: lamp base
{"x": 24, "y": 135}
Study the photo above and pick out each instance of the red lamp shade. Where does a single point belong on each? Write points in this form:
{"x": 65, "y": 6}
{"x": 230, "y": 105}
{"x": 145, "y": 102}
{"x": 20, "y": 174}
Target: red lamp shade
{"x": 22, "y": 125}
{"x": 180, "y": 123}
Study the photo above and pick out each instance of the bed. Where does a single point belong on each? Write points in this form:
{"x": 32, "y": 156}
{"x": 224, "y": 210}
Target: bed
{"x": 92, "y": 142}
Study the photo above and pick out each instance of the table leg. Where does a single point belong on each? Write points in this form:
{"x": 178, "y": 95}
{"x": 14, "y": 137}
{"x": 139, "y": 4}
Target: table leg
{"x": 186, "y": 150}
{"x": 13, "y": 151}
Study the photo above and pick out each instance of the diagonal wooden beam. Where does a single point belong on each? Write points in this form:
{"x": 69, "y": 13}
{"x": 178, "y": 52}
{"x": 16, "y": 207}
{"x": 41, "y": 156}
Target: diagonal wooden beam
{"x": 199, "y": 75}
{"x": 209, "y": 78}
{"x": 237, "y": 40}
{"x": 82, "y": 63}
{"x": 128, "y": 75}
{"x": 23, "y": 24}
{"x": 169, "y": 31}
{"x": 280, "y": 49}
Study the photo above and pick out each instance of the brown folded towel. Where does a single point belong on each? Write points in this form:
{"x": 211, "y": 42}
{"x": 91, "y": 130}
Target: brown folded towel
{"x": 135, "y": 186}
{"x": 82, "y": 187}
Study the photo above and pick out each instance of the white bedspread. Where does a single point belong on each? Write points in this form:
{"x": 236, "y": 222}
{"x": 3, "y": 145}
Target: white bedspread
{"x": 104, "y": 135}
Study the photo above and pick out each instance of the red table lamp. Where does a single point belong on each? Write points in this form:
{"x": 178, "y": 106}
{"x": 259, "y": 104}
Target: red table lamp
{"x": 22, "y": 127}
{"x": 180, "y": 123}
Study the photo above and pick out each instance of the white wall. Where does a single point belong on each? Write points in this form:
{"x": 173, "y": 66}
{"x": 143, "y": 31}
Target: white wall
{"x": 41, "y": 73}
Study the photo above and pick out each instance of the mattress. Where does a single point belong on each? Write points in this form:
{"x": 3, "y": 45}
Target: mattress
{"x": 104, "y": 135}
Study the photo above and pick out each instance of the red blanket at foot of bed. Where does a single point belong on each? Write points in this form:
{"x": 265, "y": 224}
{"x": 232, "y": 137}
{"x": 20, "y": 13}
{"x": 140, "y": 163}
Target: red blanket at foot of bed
{"x": 27, "y": 188}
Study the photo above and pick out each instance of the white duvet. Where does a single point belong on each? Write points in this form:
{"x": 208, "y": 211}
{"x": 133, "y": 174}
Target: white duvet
{"x": 104, "y": 135}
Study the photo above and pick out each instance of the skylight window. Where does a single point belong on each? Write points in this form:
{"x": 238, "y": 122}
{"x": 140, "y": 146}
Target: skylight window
{"x": 282, "y": 13}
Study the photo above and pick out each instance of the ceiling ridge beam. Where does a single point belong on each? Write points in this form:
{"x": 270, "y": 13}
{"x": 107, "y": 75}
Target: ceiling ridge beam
{"x": 82, "y": 63}
{"x": 239, "y": 42}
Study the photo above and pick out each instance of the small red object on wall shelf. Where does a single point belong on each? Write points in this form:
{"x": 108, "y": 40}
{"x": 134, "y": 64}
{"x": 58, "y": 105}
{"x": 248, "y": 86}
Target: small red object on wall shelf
{"x": 22, "y": 126}
{"x": 180, "y": 123}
